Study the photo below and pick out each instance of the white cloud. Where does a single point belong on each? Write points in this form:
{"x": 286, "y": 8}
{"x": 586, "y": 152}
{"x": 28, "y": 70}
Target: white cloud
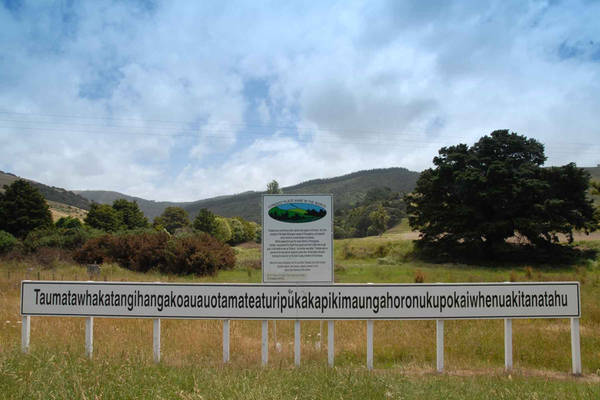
{"x": 154, "y": 101}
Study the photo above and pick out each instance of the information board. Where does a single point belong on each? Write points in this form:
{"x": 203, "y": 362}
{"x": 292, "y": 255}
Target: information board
{"x": 297, "y": 239}
{"x": 293, "y": 301}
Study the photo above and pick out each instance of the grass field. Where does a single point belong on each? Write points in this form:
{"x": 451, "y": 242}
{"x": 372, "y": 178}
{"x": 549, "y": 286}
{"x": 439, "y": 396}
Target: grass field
{"x": 404, "y": 351}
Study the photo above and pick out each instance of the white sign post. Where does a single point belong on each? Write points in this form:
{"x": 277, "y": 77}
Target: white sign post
{"x": 297, "y": 243}
{"x": 297, "y": 240}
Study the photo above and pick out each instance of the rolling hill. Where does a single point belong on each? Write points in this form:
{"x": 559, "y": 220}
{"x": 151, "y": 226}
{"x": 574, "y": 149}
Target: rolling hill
{"x": 346, "y": 190}
{"x": 50, "y": 193}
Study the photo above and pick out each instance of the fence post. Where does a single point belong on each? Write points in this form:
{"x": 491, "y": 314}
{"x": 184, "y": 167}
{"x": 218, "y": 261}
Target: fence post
{"x": 89, "y": 337}
{"x": 575, "y": 346}
{"x": 370, "y": 344}
{"x": 440, "y": 344}
{"x": 226, "y": 341}
{"x": 156, "y": 339}
{"x": 25, "y": 333}
{"x": 508, "y": 349}
{"x": 265, "y": 342}
{"x": 330, "y": 342}
{"x": 297, "y": 343}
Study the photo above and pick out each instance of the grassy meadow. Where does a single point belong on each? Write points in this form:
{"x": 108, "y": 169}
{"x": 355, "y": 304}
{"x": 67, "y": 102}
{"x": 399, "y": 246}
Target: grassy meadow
{"x": 404, "y": 351}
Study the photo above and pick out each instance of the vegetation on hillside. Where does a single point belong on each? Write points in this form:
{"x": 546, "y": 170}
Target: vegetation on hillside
{"x": 347, "y": 190}
{"x": 380, "y": 209}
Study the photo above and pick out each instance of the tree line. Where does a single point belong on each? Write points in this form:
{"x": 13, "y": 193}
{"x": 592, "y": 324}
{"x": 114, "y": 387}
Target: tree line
{"x": 120, "y": 233}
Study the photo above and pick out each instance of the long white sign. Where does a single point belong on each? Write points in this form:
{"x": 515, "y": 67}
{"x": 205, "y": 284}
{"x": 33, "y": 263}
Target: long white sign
{"x": 340, "y": 301}
{"x": 297, "y": 239}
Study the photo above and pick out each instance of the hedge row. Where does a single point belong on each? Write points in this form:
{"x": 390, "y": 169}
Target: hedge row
{"x": 199, "y": 254}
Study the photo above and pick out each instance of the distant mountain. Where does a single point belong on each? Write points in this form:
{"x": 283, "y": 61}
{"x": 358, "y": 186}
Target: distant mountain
{"x": 346, "y": 190}
{"x": 51, "y": 193}
{"x": 150, "y": 208}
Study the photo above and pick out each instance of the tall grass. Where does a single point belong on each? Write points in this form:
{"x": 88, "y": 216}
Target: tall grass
{"x": 404, "y": 351}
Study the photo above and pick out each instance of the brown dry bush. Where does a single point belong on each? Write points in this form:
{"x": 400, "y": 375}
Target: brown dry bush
{"x": 141, "y": 251}
{"x": 199, "y": 254}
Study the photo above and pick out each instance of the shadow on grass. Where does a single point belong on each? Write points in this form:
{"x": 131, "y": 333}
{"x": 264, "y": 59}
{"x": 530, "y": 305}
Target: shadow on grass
{"x": 557, "y": 255}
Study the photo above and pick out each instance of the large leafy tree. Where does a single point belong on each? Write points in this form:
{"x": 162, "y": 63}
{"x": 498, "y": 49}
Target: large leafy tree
{"x": 206, "y": 221}
{"x": 130, "y": 214}
{"x": 103, "y": 217}
{"x": 23, "y": 209}
{"x": 483, "y": 194}
{"x": 172, "y": 219}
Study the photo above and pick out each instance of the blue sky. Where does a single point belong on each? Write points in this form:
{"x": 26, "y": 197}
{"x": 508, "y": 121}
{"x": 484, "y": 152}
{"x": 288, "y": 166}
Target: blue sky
{"x": 184, "y": 100}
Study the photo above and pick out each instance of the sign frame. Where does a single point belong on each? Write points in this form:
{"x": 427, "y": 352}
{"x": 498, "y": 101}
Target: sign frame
{"x": 269, "y": 223}
{"x": 269, "y": 287}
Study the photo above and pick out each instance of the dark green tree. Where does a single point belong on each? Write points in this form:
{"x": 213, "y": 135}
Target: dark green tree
{"x": 484, "y": 194}
{"x": 172, "y": 219}
{"x": 103, "y": 217}
{"x": 130, "y": 214}
{"x": 205, "y": 221}
{"x": 68, "y": 223}
{"x": 23, "y": 209}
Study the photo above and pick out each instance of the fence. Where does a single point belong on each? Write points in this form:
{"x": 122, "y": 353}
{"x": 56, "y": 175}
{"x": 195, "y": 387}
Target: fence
{"x": 329, "y": 303}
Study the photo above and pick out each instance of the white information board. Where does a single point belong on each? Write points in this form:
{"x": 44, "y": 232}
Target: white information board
{"x": 297, "y": 239}
{"x": 268, "y": 301}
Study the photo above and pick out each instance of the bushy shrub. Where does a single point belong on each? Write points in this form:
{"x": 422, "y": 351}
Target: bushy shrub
{"x": 68, "y": 223}
{"x": 95, "y": 250}
{"x": 60, "y": 238}
{"x": 199, "y": 254}
{"x": 7, "y": 242}
{"x": 140, "y": 251}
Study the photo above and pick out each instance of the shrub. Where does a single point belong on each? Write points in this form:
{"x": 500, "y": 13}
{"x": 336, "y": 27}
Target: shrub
{"x": 199, "y": 254}
{"x": 63, "y": 238}
{"x": 7, "y": 242}
{"x": 68, "y": 223}
{"x": 140, "y": 251}
{"x": 95, "y": 250}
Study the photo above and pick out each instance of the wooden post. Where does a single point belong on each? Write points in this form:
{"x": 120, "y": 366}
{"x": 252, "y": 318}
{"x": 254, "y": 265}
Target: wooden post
{"x": 297, "y": 343}
{"x": 330, "y": 342}
{"x": 226, "y": 341}
{"x": 370, "y": 344}
{"x": 265, "y": 342}
{"x": 156, "y": 339}
{"x": 89, "y": 337}
{"x": 25, "y": 333}
{"x": 508, "y": 349}
{"x": 575, "y": 346}
{"x": 440, "y": 344}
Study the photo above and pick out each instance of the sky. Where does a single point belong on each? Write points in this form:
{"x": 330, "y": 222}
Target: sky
{"x": 186, "y": 100}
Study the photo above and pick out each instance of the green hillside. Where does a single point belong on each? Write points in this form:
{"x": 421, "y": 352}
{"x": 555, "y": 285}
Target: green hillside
{"x": 51, "y": 193}
{"x": 346, "y": 190}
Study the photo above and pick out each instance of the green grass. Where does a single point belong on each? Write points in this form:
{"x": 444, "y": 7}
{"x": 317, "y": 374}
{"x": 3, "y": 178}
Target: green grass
{"x": 404, "y": 351}
{"x": 45, "y": 375}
